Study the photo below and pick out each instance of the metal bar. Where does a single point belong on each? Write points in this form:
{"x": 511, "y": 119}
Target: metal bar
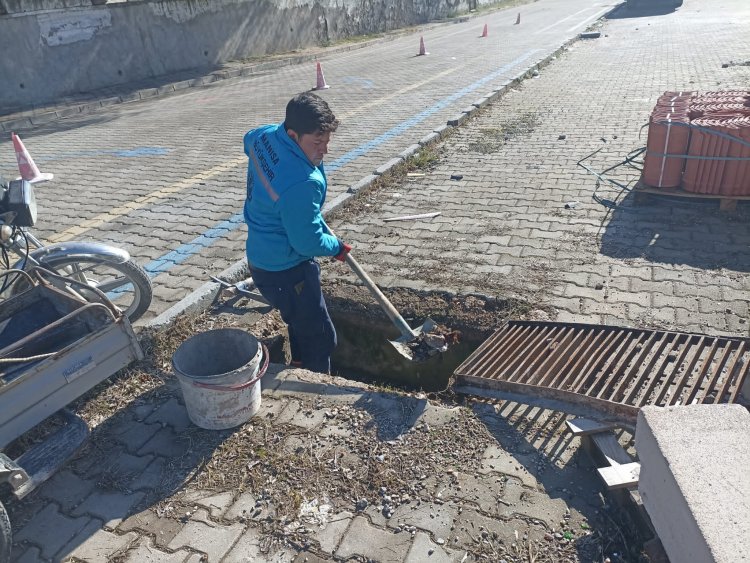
{"x": 593, "y": 364}
{"x": 534, "y": 370}
{"x": 608, "y": 372}
{"x": 646, "y": 368}
{"x": 582, "y": 358}
{"x": 53, "y": 325}
{"x": 660, "y": 371}
{"x": 553, "y": 335}
{"x": 509, "y": 367}
{"x": 488, "y": 364}
{"x": 740, "y": 381}
{"x": 717, "y": 371}
{"x": 667, "y": 382}
{"x": 564, "y": 353}
{"x": 654, "y": 372}
{"x": 633, "y": 358}
{"x": 702, "y": 374}
{"x": 479, "y": 355}
{"x": 739, "y": 352}
{"x": 685, "y": 379}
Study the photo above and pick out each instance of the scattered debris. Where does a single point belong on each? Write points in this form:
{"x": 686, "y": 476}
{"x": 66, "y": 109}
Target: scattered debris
{"x": 428, "y": 344}
{"x": 415, "y": 174}
{"x": 591, "y": 35}
{"x": 457, "y": 176}
{"x": 411, "y": 217}
{"x": 736, "y": 63}
{"x": 572, "y": 204}
{"x": 562, "y": 137}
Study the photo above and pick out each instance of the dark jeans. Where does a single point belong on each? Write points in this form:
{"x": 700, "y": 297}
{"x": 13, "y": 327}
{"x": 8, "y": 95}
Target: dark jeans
{"x": 296, "y": 293}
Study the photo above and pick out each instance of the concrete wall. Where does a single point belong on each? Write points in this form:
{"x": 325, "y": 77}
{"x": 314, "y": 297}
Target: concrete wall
{"x": 51, "y": 53}
{"x": 695, "y": 480}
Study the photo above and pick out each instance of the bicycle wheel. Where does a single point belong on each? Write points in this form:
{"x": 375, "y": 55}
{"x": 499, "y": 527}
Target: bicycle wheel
{"x": 126, "y": 284}
{"x": 6, "y": 536}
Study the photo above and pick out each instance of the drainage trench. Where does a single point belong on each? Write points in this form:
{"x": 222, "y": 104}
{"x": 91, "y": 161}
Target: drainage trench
{"x": 364, "y": 352}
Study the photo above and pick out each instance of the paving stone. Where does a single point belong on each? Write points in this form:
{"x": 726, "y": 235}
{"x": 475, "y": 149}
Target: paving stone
{"x": 305, "y": 557}
{"x": 163, "y": 529}
{"x": 215, "y": 503}
{"x": 135, "y": 434}
{"x": 50, "y": 530}
{"x": 470, "y": 523}
{"x": 153, "y": 477}
{"x": 330, "y": 536}
{"x": 165, "y": 443}
{"x": 367, "y": 541}
{"x": 30, "y": 555}
{"x": 246, "y": 549}
{"x": 94, "y": 544}
{"x": 171, "y": 413}
{"x": 215, "y": 541}
{"x": 67, "y": 489}
{"x": 425, "y": 550}
{"x": 432, "y": 517}
{"x": 243, "y": 507}
{"x": 496, "y": 459}
{"x": 110, "y": 507}
{"x": 437, "y": 416}
{"x": 146, "y": 553}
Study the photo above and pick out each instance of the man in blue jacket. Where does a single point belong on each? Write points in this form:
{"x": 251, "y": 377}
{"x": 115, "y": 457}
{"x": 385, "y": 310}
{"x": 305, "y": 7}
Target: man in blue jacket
{"x": 286, "y": 189}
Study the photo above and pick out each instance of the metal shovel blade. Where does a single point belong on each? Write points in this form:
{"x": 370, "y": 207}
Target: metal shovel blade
{"x": 401, "y": 344}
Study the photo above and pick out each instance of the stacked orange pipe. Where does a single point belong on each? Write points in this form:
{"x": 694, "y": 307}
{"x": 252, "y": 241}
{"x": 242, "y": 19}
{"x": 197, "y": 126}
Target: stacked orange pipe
{"x": 695, "y": 142}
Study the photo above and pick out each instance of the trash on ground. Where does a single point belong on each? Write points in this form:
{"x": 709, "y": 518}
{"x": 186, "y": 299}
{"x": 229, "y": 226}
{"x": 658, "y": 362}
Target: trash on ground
{"x": 411, "y": 217}
{"x": 572, "y": 204}
{"x": 562, "y": 137}
{"x": 457, "y": 176}
{"x": 438, "y": 340}
{"x": 591, "y": 35}
{"x": 415, "y": 174}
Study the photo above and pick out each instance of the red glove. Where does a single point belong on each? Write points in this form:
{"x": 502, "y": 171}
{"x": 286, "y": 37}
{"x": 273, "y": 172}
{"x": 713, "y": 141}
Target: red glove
{"x": 344, "y": 249}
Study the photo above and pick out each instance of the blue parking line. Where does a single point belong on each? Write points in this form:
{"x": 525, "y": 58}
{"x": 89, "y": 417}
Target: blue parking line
{"x": 185, "y": 251}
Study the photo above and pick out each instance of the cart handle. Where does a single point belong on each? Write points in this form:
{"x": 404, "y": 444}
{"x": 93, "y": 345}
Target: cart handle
{"x": 55, "y": 324}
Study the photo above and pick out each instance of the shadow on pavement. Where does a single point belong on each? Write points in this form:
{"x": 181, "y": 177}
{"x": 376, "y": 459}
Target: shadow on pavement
{"x": 678, "y": 231}
{"x": 132, "y": 461}
{"x": 644, "y": 8}
{"x": 537, "y": 445}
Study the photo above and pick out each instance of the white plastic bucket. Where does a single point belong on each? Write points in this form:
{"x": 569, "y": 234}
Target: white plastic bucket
{"x": 219, "y": 373}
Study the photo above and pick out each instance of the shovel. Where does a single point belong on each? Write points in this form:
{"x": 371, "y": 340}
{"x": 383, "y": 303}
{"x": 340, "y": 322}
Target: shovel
{"x": 408, "y": 335}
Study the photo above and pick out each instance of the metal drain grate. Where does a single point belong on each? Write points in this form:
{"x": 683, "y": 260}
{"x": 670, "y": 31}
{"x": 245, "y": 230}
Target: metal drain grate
{"x": 608, "y": 369}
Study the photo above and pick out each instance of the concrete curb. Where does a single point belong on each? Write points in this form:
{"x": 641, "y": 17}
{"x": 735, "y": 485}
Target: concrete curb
{"x": 200, "y": 299}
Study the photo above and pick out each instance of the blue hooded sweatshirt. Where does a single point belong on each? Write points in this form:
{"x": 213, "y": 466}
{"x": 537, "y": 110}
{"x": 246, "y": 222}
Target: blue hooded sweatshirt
{"x": 285, "y": 195}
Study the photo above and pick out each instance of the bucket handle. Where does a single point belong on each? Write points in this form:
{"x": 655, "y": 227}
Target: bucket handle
{"x": 240, "y": 386}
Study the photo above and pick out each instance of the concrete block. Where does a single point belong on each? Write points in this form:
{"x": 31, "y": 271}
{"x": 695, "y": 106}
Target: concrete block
{"x": 16, "y": 124}
{"x": 330, "y": 536}
{"x": 363, "y": 183}
{"x": 469, "y": 110}
{"x": 458, "y": 119}
{"x": 409, "y": 152}
{"x": 481, "y": 102}
{"x": 67, "y": 489}
{"x": 380, "y": 170}
{"x": 215, "y": 541}
{"x": 694, "y": 479}
{"x": 110, "y": 507}
{"x": 443, "y": 130}
{"x": 424, "y": 549}
{"x": 373, "y": 543}
{"x": 146, "y": 553}
{"x": 55, "y": 528}
{"x": 429, "y": 139}
{"x": 95, "y": 544}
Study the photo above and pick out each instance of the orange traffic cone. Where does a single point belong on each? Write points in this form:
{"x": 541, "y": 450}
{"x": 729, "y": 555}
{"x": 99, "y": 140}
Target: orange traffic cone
{"x": 484, "y": 31}
{"x": 26, "y": 166}
{"x": 518, "y": 19}
{"x": 321, "y": 85}
{"x": 421, "y": 48}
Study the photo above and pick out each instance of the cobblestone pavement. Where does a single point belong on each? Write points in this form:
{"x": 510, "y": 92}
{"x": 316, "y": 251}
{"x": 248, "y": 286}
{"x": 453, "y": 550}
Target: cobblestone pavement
{"x": 130, "y": 497}
{"x": 165, "y": 177}
{"x": 504, "y": 228}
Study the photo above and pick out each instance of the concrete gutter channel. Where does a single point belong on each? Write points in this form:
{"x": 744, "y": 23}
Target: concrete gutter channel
{"x": 202, "y": 298}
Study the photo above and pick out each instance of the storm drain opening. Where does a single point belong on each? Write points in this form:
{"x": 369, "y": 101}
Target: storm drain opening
{"x": 606, "y": 369}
